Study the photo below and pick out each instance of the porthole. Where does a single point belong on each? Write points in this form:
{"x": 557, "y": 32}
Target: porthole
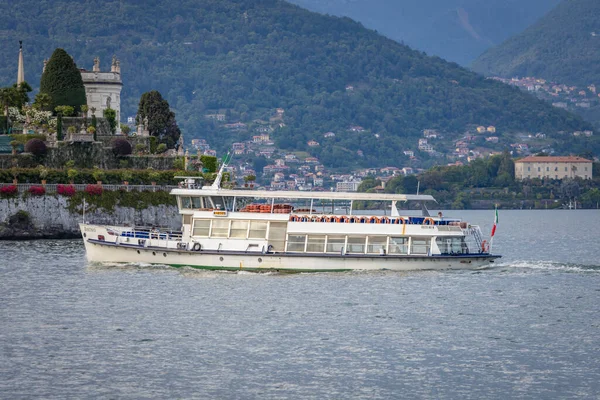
{"x": 164, "y": 254}
{"x": 84, "y": 234}
{"x": 153, "y": 253}
{"x": 138, "y": 252}
{"x": 259, "y": 259}
{"x": 220, "y": 258}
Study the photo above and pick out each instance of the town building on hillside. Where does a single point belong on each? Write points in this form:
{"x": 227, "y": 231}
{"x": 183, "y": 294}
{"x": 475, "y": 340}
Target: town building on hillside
{"x": 313, "y": 143}
{"x": 553, "y": 167}
{"x": 216, "y": 117}
{"x": 103, "y": 89}
{"x": 347, "y": 186}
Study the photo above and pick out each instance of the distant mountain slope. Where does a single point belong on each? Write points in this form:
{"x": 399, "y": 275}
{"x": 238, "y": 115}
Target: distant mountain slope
{"x": 563, "y": 46}
{"x": 456, "y": 30}
{"x": 246, "y": 58}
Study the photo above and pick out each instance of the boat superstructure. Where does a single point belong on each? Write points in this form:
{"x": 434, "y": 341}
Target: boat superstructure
{"x": 297, "y": 231}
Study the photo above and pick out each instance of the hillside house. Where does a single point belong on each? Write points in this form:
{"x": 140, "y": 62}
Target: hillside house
{"x": 553, "y": 167}
{"x": 238, "y": 126}
{"x": 329, "y": 135}
{"x": 356, "y": 128}
{"x": 313, "y": 143}
{"x": 216, "y": 117}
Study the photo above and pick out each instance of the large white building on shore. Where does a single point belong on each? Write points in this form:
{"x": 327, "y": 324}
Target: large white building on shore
{"x": 553, "y": 167}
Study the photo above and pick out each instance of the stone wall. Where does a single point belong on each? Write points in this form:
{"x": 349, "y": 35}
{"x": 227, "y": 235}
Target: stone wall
{"x": 38, "y": 217}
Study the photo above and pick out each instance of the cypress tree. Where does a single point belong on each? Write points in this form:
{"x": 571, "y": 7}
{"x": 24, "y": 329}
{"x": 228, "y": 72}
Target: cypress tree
{"x": 62, "y": 81}
{"x": 161, "y": 120}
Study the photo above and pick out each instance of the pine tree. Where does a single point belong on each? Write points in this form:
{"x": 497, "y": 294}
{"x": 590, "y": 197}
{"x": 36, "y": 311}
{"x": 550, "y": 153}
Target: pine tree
{"x": 161, "y": 120}
{"x": 62, "y": 81}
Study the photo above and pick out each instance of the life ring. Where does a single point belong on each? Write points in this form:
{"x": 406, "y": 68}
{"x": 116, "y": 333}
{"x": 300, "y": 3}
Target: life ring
{"x": 373, "y": 220}
{"x": 362, "y": 220}
{"x": 384, "y": 220}
{"x": 353, "y": 220}
{"x": 343, "y": 219}
{"x": 305, "y": 218}
{"x": 428, "y": 221}
{"x": 197, "y": 246}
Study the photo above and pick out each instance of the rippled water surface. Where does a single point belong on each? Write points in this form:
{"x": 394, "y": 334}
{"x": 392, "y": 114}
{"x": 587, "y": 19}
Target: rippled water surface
{"x": 528, "y": 327}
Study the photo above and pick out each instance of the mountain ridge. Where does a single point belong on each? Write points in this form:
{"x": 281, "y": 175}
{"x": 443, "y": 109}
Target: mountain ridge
{"x": 563, "y": 46}
{"x": 249, "y": 58}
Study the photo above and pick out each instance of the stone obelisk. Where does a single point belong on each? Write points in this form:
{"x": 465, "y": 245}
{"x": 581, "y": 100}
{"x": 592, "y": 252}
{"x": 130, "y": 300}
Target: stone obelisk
{"x": 21, "y": 72}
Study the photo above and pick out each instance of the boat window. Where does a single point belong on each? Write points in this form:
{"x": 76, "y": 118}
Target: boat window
{"x": 296, "y": 243}
{"x": 201, "y": 227}
{"x": 356, "y": 244}
{"x": 398, "y": 245}
{"x": 220, "y": 228}
{"x": 315, "y": 244}
{"x": 376, "y": 244}
{"x": 419, "y": 246}
{"x": 196, "y": 202}
{"x": 258, "y": 230}
{"x": 451, "y": 245}
{"x": 277, "y": 232}
{"x": 239, "y": 229}
{"x": 186, "y": 202}
{"x": 335, "y": 244}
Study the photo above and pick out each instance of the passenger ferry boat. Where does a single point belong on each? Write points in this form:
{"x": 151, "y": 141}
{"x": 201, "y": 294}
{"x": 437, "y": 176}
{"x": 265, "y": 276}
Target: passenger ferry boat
{"x": 258, "y": 230}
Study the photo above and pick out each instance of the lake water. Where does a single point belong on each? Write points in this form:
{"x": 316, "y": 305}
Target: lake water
{"x": 528, "y": 327}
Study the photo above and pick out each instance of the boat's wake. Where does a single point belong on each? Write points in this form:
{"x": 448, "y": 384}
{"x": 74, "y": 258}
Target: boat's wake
{"x": 547, "y": 266}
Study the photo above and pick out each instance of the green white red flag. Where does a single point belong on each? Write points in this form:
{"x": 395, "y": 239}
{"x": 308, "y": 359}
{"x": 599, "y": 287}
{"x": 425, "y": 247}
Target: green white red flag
{"x": 495, "y": 223}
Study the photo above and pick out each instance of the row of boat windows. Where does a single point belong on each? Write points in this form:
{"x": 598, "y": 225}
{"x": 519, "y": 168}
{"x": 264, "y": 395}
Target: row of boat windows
{"x": 357, "y": 244}
{"x": 237, "y": 229}
{"x": 275, "y": 232}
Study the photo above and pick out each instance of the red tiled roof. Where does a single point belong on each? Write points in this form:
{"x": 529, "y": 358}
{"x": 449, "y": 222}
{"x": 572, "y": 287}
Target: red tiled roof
{"x": 551, "y": 159}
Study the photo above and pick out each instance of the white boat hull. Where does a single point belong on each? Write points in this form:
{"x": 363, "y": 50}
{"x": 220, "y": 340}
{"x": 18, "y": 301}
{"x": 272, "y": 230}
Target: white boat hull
{"x": 108, "y": 252}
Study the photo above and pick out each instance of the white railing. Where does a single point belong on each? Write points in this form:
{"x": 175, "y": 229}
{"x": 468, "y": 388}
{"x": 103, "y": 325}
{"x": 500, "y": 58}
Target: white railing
{"x": 52, "y": 188}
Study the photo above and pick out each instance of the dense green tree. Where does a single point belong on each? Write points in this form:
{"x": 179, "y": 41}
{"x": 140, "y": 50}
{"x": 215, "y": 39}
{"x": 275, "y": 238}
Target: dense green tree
{"x": 161, "y": 120}
{"x": 62, "y": 81}
{"x": 43, "y": 102}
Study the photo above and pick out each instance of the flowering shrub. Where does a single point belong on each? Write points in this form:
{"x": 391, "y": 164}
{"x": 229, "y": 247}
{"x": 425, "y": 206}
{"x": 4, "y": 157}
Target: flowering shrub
{"x": 8, "y": 191}
{"x": 37, "y": 190}
{"x": 93, "y": 190}
{"x": 66, "y": 190}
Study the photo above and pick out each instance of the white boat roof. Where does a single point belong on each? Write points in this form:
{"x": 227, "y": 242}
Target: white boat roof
{"x": 289, "y": 194}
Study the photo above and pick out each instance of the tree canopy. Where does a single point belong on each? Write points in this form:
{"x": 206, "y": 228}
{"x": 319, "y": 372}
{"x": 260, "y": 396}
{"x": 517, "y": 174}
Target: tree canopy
{"x": 161, "y": 120}
{"x": 62, "y": 81}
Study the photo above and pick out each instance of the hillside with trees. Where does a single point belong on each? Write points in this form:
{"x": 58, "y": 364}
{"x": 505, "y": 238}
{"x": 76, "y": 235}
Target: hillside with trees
{"x": 245, "y": 59}
{"x": 486, "y": 183}
{"x": 455, "y": 30}
{"x": 563, "y": 46}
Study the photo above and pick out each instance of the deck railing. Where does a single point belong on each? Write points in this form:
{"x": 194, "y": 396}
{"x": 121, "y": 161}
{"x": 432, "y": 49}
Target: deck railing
{"x": 52, "y": 188}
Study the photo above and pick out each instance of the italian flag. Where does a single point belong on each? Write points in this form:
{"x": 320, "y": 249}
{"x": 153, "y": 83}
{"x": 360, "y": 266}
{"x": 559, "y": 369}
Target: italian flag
{"x": 495, "y": 223}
